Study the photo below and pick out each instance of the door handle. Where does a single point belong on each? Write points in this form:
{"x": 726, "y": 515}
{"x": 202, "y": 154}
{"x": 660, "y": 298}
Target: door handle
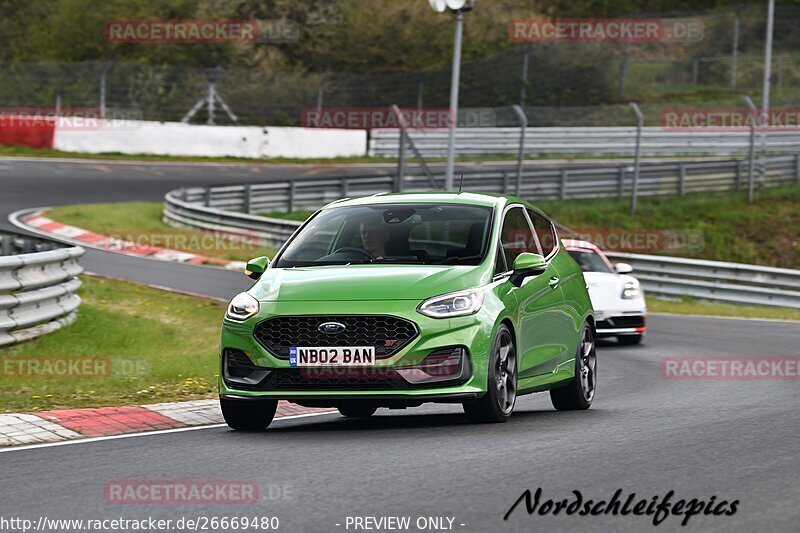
{"x": 554, "y": 282}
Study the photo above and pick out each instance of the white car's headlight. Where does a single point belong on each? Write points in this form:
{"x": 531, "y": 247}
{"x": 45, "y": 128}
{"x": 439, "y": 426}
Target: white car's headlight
{"x": 631, "y": 290}
{"x": 453, "y": 304}
{"x": 242, "y": 307}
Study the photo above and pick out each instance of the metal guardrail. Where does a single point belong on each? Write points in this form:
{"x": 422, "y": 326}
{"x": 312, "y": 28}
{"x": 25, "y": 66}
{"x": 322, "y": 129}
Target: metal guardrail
{"x": 235, "y": 205}
{"x": 715, "y": 280}
{"x": 38, "y": 282}
{"x": 619, "y": 141}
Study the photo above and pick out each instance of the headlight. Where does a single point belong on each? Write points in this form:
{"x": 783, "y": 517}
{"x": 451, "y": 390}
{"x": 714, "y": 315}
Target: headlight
{"x": 242, "y": 306}
{"x": 454, "y": 304}
{"x": 631, "y": 290}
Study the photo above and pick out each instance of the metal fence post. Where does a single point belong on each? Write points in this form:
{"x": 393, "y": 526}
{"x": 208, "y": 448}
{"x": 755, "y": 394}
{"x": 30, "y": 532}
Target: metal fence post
{"x": 524, "y": 82}
{"x": 695, "y": 71}
{"x": 523, "y": 125}
{"x": 321, "y": 93}
{"x": 623, "y": 71}
{"x": 420, "y": 91}
{"x": 734, "y": 56}
{"x": 103, "y": 73}
{"x": 290, "y": 204}
{"x": 682, "y": 180}
{"x": 248, "y": 198}
{"x": 564, "y": 184}
{"x": 635, "y": 189}
{"x": 751, "y": 170}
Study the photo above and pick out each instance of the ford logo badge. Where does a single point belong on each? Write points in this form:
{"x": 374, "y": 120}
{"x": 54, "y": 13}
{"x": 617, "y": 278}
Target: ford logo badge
{"x": 332, "y": 328}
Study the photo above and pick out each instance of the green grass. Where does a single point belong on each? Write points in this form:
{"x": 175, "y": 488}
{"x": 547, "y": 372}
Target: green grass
{"x": 692, "y": 306}
{"x": 141, "y": 222}
{"x": 764, "y": 233}
{"x": 142, "y": 332}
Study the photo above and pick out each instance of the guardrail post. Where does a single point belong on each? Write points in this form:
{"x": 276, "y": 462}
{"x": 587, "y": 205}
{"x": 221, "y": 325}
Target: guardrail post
{"x": 290, "y": 205}
{"x": 738, "y": 175}
{"x": 248, "y": 198}
{"x": 184, "y": 194}
{"x": 523, "y": 125}
{"x": 401, "y": 161}
{"x": 346, "y": 188}
{"x": 207, "y": 196}
{"x": 505, "y": 182}
{"x": 564, "y": 183}
{"x": 621, "y": 183}
{"x": 639, "y": 126}
{"x": 6, "y": 242}
{"x": 682, "y": 180}
{"x": 797, "y": 168}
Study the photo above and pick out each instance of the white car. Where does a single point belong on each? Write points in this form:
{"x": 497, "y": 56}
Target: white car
{"x": 617, "y": 298}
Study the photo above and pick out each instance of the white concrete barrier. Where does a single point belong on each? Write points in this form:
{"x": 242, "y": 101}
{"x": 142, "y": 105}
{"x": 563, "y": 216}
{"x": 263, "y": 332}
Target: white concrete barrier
{"x": 178, "y": 139}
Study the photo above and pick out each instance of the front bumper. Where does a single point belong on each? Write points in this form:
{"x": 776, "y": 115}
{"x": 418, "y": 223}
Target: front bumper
{"x": 621, "y": 324}
{"x": 472, "y": 333}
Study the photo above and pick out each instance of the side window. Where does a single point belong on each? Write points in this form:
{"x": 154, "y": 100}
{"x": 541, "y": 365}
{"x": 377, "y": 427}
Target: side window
{"x": 517, "y": 236}
{"x": 544, "y": 231}
{"x": 500, "y": 262}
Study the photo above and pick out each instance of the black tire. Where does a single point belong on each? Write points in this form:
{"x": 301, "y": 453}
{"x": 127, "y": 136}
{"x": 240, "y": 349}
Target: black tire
{"x": 248, "y": 415}
{"x": 357, "y": 411}
{"x": 579, "y": 393}
{"x": 498, "y": 402}
{"x": 629, "y": 340}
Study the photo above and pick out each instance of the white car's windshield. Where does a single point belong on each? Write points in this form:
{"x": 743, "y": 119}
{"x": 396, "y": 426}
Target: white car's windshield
{"x": 590, "y": 261}
{"x": 392, "y": 233}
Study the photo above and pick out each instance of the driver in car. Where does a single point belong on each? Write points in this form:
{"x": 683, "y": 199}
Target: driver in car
{"x": 374, "y": 236}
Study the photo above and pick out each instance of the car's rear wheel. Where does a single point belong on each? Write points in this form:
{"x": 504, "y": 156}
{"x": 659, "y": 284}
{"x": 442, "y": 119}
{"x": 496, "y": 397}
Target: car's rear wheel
{"x": 579, "y": 393}
{"x": 498, "y": 402}
{"x": 248, "y": 415}
{"x": 357, "y": 411}
{"x": 629, "y": 340}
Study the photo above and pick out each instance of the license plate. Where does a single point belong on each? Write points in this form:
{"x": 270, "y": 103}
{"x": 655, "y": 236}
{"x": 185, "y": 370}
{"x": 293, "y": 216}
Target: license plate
{"x": 332, "y": 356}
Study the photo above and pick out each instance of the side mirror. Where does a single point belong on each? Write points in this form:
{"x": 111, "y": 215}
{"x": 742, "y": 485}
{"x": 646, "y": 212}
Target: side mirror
{"x": 623, "y": 268}
{"x": 256, "y": 267}
{"x": 527, "y": 264}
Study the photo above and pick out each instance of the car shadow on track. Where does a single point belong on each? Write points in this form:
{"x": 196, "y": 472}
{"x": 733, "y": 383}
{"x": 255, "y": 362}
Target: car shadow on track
{"x": 420, "y": 421}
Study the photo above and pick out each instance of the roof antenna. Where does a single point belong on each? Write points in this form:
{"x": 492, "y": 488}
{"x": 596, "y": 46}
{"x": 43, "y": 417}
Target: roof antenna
{"x": 461, "y": 183}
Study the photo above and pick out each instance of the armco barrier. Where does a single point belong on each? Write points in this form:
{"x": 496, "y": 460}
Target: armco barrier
{"x": 38, "y": 282}
{"x": 580, "y": 140}
{"x": 219, "y": 209}
{"x": 715, "y": 280}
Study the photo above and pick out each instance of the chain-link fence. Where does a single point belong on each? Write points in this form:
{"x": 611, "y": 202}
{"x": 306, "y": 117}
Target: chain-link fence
{"x": 562, "y": 83}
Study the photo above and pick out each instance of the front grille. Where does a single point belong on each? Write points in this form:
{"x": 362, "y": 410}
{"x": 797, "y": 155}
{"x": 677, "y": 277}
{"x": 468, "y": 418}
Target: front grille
{"x": 632, "y": 321}
{"x": 388, "y": 334}
{"x": 310, "y": 380}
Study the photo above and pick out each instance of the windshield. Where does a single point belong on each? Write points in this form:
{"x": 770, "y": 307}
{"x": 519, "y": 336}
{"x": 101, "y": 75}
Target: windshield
{"x": 392, "y": 233}
{"x": 590, "y": 261}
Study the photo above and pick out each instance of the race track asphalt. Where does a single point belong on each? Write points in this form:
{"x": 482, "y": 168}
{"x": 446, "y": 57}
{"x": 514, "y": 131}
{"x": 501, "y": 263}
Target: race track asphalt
{"x": 735, "y": 440}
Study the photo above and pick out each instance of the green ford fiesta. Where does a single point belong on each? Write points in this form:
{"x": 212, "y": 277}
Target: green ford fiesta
{"x": 394, "y": 300}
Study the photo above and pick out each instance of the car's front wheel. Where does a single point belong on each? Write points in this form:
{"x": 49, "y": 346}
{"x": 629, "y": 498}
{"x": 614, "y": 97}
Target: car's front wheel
{"x": 498, "y": 402}
{"x": 579, "y": 393}
{"x": 248, "y": 415}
